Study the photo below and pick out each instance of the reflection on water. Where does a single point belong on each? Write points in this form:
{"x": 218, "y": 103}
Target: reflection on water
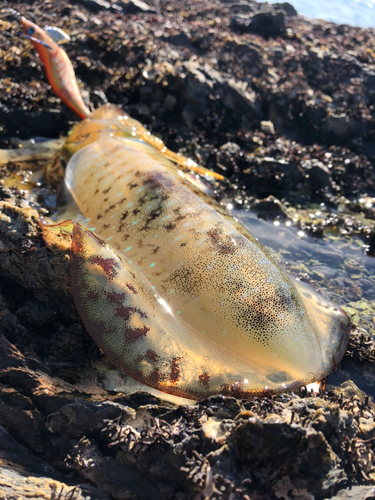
{"x": 338, "y": 267}
{"x": 354, "y": 12}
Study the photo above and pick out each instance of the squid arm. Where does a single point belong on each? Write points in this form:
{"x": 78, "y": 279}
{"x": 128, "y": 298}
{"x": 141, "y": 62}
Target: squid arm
{"x": 60, "y": 74}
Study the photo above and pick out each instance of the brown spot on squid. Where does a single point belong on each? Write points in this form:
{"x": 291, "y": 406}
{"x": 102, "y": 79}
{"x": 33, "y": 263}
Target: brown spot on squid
{"x": 150, "y": 354}
{"x": 204, "y": 379}
{"x": 109, "y": 266}
{"x": 175, "y": 371}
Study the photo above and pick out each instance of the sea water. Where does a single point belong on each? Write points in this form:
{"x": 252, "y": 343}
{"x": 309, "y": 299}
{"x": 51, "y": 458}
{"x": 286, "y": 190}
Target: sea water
{"x": 354, "y": 12}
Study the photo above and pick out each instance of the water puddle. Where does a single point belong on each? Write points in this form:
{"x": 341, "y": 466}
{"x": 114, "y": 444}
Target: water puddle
{"x": 335, "y": 265}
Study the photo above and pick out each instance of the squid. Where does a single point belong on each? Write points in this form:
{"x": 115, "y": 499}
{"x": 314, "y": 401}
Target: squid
{"x": 174, "y": 290}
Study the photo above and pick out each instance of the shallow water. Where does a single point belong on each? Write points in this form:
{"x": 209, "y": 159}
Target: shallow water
{"x": 338, "y": 267}
{"x": 354, "y": 12}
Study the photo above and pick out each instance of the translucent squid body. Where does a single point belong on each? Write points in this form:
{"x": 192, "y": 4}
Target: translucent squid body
{"x": 175, "y": 292}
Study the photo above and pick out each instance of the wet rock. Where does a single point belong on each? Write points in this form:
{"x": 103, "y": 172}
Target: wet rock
{"x": 328, "y": 256}
{"x": 270, "y": 208}
{"x": 266, "y": 24}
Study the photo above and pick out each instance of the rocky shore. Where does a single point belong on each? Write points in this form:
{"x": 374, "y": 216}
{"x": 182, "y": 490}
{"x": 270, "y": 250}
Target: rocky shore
{"x": 284, "y": 107}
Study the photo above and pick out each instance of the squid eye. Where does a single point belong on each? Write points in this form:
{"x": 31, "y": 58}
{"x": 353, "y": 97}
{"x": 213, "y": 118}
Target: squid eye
{"x": 31, "y": 30}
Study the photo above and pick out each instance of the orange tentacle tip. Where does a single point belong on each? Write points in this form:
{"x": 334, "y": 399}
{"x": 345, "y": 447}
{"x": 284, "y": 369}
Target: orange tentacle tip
{"x": 59, "y": 69}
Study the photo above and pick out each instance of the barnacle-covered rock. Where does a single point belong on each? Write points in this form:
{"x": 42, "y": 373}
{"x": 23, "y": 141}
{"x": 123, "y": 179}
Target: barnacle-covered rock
{"x": 28, "y": 261}
{"x": 123, "y": 59}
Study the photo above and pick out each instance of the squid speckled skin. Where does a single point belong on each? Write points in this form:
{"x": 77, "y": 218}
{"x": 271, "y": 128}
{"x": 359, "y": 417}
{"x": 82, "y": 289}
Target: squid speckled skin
{"x": 176, "y": 293}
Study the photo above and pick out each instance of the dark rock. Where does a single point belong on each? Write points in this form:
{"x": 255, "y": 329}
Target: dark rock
{"x": 369, "y": 79}
{"x": 278, "y": 53}
{"x": 371, "y": 244}
{"x": 247, "y": 51}
{"x": 169, "y": 102}
{"x": 136, "y": 7}
{"x": 221, "y": 407}
{"x": 45, "y": 123}
{"x": 237, "y": 95}
{"x": 351, "y": 63}
{"x": 202, "y": 81}
{"x": 241, "y": 8}
{"x": 316, "y": 57}
{"x": 270, "y": 208}
{"x": 82, "y": 417}
{"x": 317, "y": 173}
{"x": 287, "y": 8}
{"x": 277, "y": 174}
{"x": 341, "y": 125}
{"x": 368, "y": 149}
{"x": 182, "y": 39}
{"x": 250, "y": 54}
{"x": 310, "y": 463}
{"x": 266, "y": 24}
{"x": 95, "y": 5}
